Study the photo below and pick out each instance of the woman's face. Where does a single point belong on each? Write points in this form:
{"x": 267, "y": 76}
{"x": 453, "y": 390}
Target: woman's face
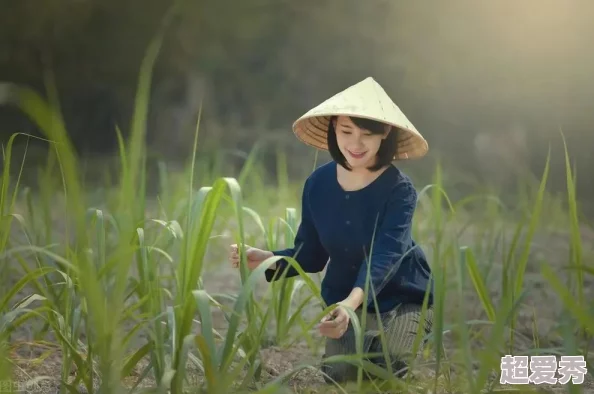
{"x": 359, "y": 146}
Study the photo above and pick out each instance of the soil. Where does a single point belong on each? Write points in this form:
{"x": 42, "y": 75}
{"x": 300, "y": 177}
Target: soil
{"x": 35, "y": 361}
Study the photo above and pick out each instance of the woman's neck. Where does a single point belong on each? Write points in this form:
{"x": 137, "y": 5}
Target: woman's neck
{"x": 357, "y": 178}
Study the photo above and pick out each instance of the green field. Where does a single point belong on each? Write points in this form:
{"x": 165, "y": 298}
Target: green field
{"x": 112, "y": 289}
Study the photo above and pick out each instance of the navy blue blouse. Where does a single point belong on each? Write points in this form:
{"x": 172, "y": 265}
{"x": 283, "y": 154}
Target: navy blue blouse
{"x": 338, "y": 227}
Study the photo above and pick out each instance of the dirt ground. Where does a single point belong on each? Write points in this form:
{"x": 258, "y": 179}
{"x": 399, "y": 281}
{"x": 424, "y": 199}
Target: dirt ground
{"x": 277, "y": 361}
{"x": 221, "y": 278}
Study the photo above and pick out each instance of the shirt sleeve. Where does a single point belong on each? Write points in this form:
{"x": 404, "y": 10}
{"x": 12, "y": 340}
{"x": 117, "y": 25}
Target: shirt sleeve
{"x": 391, "y": 241}
{"x": 308, "y": 250}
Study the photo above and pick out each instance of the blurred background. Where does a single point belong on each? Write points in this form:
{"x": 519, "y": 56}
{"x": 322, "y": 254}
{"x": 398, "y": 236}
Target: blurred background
{"x": 490, "y": 84}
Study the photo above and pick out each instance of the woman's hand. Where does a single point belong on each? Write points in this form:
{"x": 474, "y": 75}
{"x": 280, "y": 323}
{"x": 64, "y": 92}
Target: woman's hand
{"x": 254, "y": 256}
{"x": 335, "y": 324}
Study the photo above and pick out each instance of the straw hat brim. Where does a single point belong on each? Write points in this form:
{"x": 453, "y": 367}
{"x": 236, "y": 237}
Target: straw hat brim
{"x": 364, "y": 100}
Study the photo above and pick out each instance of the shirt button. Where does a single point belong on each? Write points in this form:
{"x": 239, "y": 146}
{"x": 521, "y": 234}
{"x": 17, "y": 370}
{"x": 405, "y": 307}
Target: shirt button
{"x": 347, "y": 197}
{"x": 346, "y": 249}
{"x": 348, "y": 222}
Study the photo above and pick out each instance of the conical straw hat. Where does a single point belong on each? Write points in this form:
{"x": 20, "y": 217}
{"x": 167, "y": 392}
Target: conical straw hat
{"x": 366, "y": 99}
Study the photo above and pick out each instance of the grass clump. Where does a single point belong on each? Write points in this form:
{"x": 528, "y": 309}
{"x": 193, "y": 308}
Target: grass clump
{"x": 118, "y": 291}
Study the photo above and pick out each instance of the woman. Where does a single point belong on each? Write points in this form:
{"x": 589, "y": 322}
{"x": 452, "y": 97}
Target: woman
{"x": 357, "y": 214}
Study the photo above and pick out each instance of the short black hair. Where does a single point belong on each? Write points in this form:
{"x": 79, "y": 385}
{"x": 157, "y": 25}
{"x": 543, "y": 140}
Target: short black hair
{"x": 386, "y": 152}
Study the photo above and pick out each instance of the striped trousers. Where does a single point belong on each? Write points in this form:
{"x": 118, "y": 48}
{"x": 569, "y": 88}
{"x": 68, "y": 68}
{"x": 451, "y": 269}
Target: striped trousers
{"x": 400, "y": 329}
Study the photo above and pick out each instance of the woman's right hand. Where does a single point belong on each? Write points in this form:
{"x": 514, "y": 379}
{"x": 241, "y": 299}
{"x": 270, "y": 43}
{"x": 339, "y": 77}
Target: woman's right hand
{"x": 254, "y": 256}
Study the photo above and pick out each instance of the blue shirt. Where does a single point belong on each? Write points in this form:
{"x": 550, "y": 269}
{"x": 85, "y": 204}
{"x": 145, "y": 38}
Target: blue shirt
{"x": 337, "y": 229}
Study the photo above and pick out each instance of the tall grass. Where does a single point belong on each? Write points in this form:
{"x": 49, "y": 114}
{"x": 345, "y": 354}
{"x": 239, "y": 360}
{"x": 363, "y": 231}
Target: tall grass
{"x": 122, "y": 291}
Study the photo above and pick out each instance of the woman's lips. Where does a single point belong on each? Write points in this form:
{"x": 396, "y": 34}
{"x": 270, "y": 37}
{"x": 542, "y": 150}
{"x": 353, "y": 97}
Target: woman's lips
{"x": 357, "y": 155}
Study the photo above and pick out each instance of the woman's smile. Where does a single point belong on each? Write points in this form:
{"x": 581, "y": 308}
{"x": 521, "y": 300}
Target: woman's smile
{"x": 357, "y": 155}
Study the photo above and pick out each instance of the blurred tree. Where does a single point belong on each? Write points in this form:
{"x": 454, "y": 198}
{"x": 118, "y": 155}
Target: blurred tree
{"x": 457, "y": 69}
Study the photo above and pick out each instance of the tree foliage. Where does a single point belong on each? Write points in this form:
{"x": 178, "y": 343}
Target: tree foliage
{"x": 459, "y": 69}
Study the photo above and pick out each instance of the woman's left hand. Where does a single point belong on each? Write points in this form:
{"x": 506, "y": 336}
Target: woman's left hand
{"x": 335, "y": 324}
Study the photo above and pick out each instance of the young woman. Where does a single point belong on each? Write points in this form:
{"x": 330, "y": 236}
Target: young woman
{"x": 357, "y": 214}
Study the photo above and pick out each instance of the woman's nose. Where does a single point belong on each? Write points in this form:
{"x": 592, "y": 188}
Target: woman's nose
{"x": 359, "y": 139}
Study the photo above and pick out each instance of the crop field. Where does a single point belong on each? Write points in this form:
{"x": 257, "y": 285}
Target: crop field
{"x": 115, "y": 290}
